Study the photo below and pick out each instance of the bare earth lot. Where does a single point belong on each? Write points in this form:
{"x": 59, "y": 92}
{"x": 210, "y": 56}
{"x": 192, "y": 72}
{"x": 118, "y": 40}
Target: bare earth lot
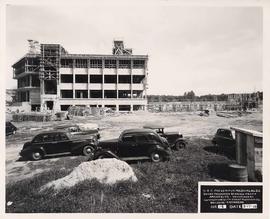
{"x": 171, "y": 186}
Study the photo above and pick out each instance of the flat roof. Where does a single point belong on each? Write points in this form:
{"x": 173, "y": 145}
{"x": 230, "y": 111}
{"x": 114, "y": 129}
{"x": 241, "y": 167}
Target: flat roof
{"x": 104, "y": 56}
{"x": 87, "y": 56}
{"x": 142, "y": 130}
{"x": 248, "y": 132}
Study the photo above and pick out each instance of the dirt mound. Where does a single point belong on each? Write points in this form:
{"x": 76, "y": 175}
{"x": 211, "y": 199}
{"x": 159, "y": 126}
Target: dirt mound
{"x": 106, "y": 171}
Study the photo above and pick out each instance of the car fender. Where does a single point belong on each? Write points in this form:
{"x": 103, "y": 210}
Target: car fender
{"x": 29, "y": 150}
{"x": 82, "y": 144}
{"x": 156, "y": 148}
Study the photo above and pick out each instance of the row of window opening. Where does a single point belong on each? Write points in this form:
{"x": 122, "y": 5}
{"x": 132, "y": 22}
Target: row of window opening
{"x": 97, "y": 63}
{"x": 125, "y": 79}
{"x": 67, "y": 94}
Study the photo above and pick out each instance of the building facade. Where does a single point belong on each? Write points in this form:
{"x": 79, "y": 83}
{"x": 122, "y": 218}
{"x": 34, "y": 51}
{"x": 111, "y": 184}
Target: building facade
{"x": 53, "y": 79}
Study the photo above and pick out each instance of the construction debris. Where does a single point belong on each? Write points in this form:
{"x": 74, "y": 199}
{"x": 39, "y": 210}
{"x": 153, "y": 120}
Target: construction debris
{"x": 38, "y": 117}
{"x": 230, "y": 114}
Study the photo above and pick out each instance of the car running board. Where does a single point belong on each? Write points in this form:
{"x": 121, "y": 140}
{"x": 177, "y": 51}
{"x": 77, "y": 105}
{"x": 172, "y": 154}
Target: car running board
{"x": 57, "y": 154}
{"x": 136, "y": 158}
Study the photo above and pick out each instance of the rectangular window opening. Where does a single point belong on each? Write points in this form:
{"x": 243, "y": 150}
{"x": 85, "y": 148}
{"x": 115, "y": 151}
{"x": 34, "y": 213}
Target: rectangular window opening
{"x": 64, "y": 107}
{"x": 81, "y": 79}
{"x": 65, "y": 78}
{"x": 124, "y": 79}
{"x": 124, "y": 63}
{"x": 66, "y": 63}
{"x": 81, "y": 93}
{"x": 66, "y": 94}
{"x": 50, "y": 87}
{"x": 110, "y": 63}
{"x": 96, "y": 93}
{"x": 137, "y": 94}
{"x": 95, "y": 63}
{"x": 81, "y": 63}
{"x": 110, "y": 94}
{"x": 96, "y": 79}
{"x": 124, "y": 107}
{"x": 124, "y": 93}
{"x": 112, "y": 107}
{"x": 138, "y": 79}
{"x": 110, "y": 79}
{"x": 138, "y": 64}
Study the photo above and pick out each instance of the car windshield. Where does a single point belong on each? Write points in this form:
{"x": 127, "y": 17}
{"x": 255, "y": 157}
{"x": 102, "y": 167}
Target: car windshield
{"x": 225, "y": 133}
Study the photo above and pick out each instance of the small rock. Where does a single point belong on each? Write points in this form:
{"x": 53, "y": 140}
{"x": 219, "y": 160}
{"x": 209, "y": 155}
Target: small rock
{"x": 146, "y": 195}
{"x": 9, "y": 203}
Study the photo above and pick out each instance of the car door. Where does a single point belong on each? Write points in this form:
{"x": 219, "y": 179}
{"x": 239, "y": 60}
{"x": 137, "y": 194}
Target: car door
{"x": 143, "y": 144}
{"x": 38, "y": 142}
{"x": 49, "y": 143}
{"x": 62, "y": 142}
{"x": 127, "y": 146}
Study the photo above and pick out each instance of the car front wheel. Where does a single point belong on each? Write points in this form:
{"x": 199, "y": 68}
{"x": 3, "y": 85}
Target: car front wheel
{"x": 37, "y": 155}
{"x": 156, "y": 157}
{"x": 88, "y": 150}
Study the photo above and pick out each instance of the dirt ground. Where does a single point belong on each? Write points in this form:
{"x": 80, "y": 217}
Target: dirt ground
{"x": 189, "y": 124}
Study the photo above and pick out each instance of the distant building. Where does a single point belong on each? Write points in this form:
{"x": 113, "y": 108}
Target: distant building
{"x": 10, "y": 96}
{"x": 246, "y": 100}
{"x": 54, "y": 79}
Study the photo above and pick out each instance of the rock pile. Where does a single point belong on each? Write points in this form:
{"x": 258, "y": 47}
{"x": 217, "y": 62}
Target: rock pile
{"x": 106, "y": 171}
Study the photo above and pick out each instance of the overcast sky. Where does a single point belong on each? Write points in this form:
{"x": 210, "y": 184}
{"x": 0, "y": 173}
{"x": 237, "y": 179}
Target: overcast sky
{"x": 205, "y": 49}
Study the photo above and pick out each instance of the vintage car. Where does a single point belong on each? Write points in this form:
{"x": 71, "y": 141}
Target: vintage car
{"x": 135, "y": 144}
{"x": 224, "y": 138}
{"x": 10, "y": 129}
{"x": 175, "y": 139}
{"x": 55, "y": 143}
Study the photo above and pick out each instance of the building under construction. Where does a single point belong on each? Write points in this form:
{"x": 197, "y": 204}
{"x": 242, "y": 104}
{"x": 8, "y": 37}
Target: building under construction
{"x": 49, "y": 78}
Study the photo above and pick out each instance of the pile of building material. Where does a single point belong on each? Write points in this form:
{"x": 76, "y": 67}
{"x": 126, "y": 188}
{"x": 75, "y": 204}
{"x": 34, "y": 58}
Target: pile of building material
{"x": 229, "y": 114}
{"x": 61, "y": 116}
{"x": 38, "y": 117}
{"x": 85, "y": 111}
{"x": 105, "y": 171}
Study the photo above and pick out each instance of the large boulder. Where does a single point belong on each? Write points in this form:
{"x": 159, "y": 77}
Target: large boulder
{"x": 106, "y": 171}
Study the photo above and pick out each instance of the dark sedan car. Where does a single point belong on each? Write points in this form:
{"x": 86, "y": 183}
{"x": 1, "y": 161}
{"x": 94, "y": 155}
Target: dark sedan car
{"x": 224, "y": 138}
{"x": 175, "y": 139}
{"x": 10, "y": 129}
{"x": 55, "y": 143}
{"x": 135, "y": 144}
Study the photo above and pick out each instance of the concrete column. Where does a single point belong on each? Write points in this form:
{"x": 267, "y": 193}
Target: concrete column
{"x": 30, "y": 80}
{"x": 88, "y": 78}
{"x": 131, "y": 78}
{"x": 102, "y": 72}
{"x": 117, "y": 80}
{"x": 73, "y": 73}
{"x": 146, "y": 78}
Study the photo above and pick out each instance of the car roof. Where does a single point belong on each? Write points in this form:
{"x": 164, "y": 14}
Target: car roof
{"x": 51, "y": 132}
{"x": 225, "y": 129}
{"x": 153, "y": 127}
{"x": 127, "y": 131}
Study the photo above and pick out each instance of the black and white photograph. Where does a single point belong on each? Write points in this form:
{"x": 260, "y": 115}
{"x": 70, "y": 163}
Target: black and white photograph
{"x": 133, "y": 107}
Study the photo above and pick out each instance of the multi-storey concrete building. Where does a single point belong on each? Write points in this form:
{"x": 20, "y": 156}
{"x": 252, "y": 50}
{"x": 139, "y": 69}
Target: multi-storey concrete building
{"x": 54, "y": 79}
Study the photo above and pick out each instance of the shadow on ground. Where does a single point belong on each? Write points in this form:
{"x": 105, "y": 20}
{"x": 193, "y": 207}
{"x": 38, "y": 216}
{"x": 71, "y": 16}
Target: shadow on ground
{"x": 219, "y": 170}
{"x": 23, "y": 159}
{"x": 229, "y": 152}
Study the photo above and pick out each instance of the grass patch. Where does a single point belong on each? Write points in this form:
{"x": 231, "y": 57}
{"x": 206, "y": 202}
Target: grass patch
{"x": 167, "y": 187}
